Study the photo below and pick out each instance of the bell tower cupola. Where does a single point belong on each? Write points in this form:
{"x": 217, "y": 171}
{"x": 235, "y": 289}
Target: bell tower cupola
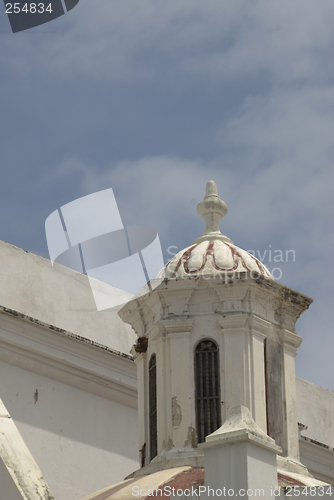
{"x": 215, "y": 332}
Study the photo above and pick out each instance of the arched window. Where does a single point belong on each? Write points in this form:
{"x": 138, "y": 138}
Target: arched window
{"x": 153, "y": 407}
{"x": 207, "y": 383}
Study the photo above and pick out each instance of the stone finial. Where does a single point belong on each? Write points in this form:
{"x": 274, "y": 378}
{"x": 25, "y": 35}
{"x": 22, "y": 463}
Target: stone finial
{"x": 212, "y": 209}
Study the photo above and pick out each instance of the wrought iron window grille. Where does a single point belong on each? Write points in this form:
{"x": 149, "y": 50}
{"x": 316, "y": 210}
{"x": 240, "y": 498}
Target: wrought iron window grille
{"x": 153, "y": 407}
{"x": 207, "y": 381}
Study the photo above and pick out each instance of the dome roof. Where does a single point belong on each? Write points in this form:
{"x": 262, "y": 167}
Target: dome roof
{"x": 211, "y": 258}
{"x": 212, "y": 253}
{"x": 156, "y": 485}
{"x": 164, "y": 484}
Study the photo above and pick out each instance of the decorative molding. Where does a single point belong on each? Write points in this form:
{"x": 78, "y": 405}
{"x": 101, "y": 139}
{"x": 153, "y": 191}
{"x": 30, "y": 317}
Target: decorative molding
{"x": 232, "y": 292}
{"x": 318, "y": 458}
{"x": 179, "y": 335}
{"x": 176, "y": 301}
{"x": 213, "y": 258}
{"x": 178, "y": 325}
{"x": 232, "y": 321}
{"x": 259, "y": 326}
{"x": 290, "y": 340}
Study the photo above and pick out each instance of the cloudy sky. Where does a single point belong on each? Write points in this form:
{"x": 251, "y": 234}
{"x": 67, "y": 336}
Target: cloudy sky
{"x": 152, "y": 98}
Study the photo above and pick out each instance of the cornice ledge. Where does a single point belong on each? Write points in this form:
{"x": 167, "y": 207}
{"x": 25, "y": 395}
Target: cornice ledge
{"x": 132, "y": 313}
{"x": 184, "y": 325}
{"x": 259, "y": 325}
{"x": 289, "y": 339}
{"x": 232, "y": 321}
{"x": 106, "y": 381}
{"x": 296, "y": 299}
{"x": 180, "y": 283}
{"x": 52, "y": 336}
{"x": 315, "y": 450}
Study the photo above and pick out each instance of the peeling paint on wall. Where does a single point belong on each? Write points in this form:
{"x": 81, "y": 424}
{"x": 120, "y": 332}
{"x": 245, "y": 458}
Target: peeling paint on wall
{"x": 191, "y": 438}
{"x": 176, "y": 413}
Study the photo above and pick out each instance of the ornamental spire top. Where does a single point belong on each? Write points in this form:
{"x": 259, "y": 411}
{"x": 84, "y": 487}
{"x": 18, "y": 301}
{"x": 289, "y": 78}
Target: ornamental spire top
{"x": 212, "y": 209}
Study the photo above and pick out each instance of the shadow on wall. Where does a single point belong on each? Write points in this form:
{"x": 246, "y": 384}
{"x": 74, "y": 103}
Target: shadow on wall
{"x": 64, "y": 411}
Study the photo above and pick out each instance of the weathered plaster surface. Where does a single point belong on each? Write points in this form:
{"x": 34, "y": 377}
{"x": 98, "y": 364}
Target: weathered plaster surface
{"x": 76, "y": 437}
{"x": 66, "y": 373}
{"x": 238, "y": 312}
{"x": 315, "y": 407}
{"x": 61, "y": 297}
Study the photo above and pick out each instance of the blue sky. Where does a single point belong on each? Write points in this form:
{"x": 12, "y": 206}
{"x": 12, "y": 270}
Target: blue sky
{"x": 154, "y": 98}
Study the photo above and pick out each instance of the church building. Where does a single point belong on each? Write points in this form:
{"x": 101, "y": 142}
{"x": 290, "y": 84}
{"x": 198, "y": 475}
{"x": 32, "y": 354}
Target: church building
{"x": 191, "y": 384}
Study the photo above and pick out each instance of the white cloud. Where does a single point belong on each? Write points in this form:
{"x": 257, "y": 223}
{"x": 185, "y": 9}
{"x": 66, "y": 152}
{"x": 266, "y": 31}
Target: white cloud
{"x": 283, "y": 40}
{"x": 138, "y": 39}
{"x": 285, "y": 140}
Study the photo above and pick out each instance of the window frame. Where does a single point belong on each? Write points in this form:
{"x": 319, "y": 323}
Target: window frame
{"x": 153, "y": 406}
{"x": 207, "y": 393}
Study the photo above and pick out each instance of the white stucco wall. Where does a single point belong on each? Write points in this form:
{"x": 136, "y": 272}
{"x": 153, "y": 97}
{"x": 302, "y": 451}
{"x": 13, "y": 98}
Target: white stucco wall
{"x": 60, "y": 297}
{"x": 80, "y": 441}
{"x": 315, "y": 407}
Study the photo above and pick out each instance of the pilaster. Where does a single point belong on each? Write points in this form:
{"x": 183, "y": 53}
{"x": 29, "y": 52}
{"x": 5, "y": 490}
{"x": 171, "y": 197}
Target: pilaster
{"x": 259, "y": 330}
{"x": 290, "y": 342}
{"x": 181, "y": 425}
{"x": 236, "y": 361}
